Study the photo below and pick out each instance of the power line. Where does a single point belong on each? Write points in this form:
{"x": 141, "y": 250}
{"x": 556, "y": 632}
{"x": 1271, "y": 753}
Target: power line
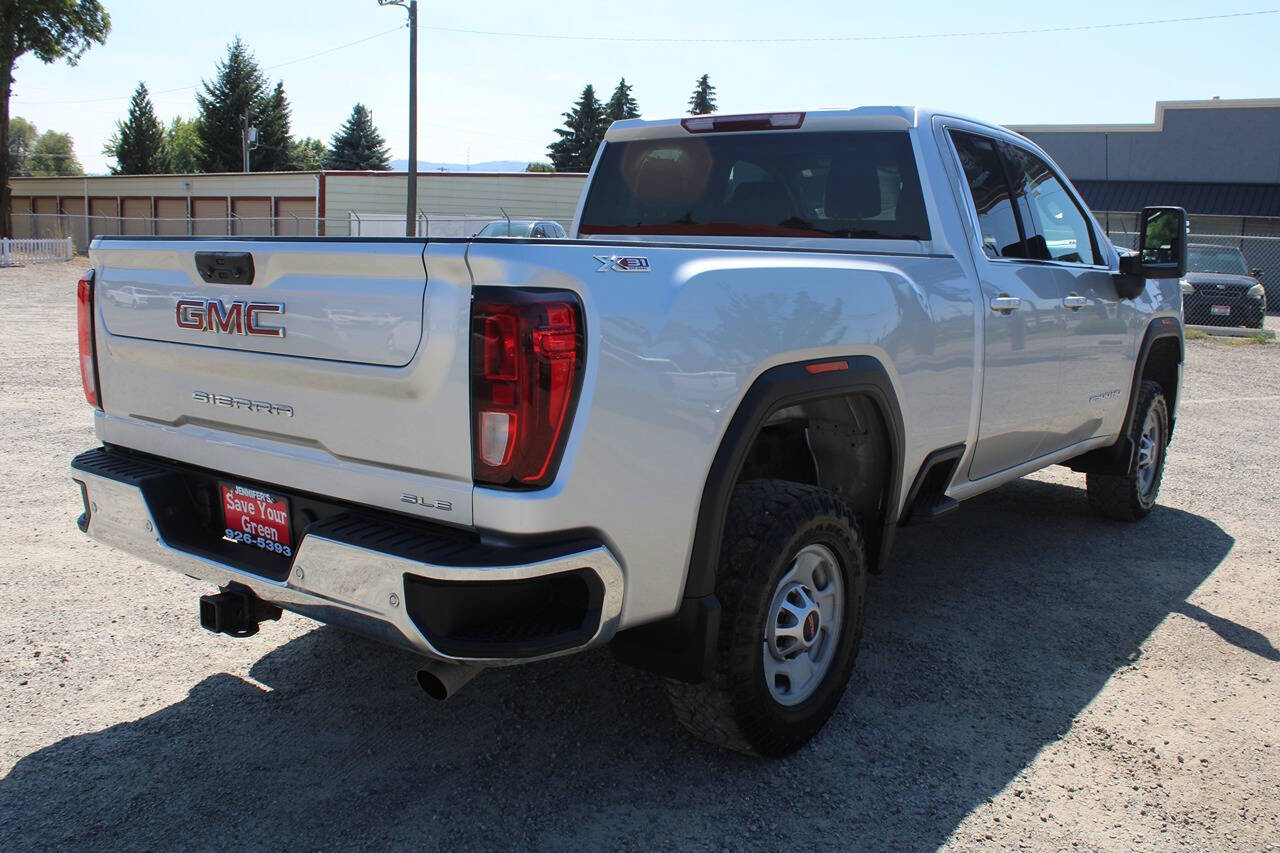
{"x": 660, "y": 40}
{"x": 809, "y": 39}
{"x": 316, "y": 55}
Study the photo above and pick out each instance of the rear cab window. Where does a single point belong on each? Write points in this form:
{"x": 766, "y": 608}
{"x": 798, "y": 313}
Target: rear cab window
{"x": 990, "y": 195}
{"x": 828, "y": 184}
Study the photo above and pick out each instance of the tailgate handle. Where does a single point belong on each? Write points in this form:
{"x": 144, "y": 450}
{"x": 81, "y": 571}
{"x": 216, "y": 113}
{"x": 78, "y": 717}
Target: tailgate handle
{"x": 225, "y": 267}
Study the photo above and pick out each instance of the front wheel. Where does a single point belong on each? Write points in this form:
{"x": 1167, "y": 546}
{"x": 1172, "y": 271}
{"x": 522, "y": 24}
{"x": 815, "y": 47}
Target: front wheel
{"x": 791, "y": 584}
{"x": 1131, "y": 496}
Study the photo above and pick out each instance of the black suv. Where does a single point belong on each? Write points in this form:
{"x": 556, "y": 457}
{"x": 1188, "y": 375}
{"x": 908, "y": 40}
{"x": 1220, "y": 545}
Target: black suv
{"x": 1218, "y": 289}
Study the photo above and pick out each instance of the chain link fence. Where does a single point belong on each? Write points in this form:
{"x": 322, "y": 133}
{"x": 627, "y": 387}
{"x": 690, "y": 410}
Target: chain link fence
{"x": 1232, "y": 279}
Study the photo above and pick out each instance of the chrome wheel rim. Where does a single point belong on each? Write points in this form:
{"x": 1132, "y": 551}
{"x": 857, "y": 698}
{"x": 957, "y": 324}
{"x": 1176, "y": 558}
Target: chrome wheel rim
{"x": 802, "y": 630}
{"x": 1150, "y": 446}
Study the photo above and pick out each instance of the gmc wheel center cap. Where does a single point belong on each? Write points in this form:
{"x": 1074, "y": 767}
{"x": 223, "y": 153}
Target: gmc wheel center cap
{"x": 811, "y": 626}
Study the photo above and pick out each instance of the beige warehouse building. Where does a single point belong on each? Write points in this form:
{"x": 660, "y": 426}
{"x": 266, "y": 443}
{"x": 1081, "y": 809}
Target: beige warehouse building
{"x": 284, "y": 203}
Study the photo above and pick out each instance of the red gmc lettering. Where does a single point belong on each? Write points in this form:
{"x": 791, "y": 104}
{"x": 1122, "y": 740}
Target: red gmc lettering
{"x": 191, "y": 314}
{"x": 251, "y": 313}
{"x": 238, "y": 318}
{"x": 230, "y": 320}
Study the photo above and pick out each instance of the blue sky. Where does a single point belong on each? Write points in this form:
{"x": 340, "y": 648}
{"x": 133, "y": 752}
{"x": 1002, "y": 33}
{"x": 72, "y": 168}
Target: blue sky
{"x": 499, "y": 97}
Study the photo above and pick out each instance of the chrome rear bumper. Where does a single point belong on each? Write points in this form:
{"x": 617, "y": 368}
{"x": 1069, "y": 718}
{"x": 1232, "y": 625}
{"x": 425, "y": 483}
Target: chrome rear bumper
{"x": 352, "y": 586}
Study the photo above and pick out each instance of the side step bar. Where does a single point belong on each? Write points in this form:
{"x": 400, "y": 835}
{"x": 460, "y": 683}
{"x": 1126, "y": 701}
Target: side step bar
{"x": 927, "y": 500}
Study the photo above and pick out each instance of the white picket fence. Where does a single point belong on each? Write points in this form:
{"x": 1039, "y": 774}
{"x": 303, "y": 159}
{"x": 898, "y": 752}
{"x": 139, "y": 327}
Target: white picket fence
{"x": 34, "y": 250}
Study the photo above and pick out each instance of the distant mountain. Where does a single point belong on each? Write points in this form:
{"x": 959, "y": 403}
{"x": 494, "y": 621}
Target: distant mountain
{"x": 489, "y": 166}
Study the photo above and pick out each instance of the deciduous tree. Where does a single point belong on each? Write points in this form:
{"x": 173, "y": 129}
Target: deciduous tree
{"x": 22, "y": 137}
{"x": 52, "y": 30}
{"x": 182, "y": 142}
{"x": 54, "y": 154}
{"x": 309, "y": 154}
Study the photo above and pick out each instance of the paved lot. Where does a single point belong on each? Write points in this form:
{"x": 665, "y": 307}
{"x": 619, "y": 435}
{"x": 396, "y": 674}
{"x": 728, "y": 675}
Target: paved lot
{"x": 1030, "y": 676}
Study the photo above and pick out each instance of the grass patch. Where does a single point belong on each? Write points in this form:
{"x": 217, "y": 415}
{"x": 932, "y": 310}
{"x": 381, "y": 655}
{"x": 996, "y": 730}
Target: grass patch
{"x": 1243, "y": 342}
{"x": 1261, "y": 337}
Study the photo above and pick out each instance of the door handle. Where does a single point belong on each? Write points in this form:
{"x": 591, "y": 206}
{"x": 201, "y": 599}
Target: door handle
{"x": 1004, "y": 303}
{"x": 1075, "y": 301}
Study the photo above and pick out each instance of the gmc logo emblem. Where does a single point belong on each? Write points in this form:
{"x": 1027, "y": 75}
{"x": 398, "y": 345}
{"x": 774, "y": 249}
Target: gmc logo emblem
{"x": 238, "y": 318}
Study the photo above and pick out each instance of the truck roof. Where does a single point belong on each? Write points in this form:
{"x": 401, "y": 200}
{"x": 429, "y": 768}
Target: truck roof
{"x": 823, "y": 118}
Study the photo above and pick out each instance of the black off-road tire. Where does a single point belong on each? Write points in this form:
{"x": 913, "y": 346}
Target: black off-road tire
{"x": 769, "y": 522}
{"x": 1124, "y": 497}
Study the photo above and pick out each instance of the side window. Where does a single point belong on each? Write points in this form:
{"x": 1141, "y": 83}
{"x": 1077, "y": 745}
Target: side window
{"x": 990, "y": 194}
{"x": 1058, "y": 229}
{"x": 538, "y": 231}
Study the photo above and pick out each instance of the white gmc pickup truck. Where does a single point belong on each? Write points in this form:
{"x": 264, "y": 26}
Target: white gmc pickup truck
{"x": 689, "y": 430}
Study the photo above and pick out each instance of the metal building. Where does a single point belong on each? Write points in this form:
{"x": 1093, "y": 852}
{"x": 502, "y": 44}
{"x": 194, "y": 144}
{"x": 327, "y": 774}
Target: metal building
{"x": 1219, "y": 159}
{"x": 283, "y": 203}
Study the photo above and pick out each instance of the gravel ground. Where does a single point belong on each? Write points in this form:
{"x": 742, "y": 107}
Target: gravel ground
{"x": 1030, "y": 676}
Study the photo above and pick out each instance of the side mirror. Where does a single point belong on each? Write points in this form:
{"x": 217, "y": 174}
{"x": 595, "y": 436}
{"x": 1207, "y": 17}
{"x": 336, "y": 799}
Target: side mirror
{"x": 1257, "y": 273}
{"x": 1162, "y": 245}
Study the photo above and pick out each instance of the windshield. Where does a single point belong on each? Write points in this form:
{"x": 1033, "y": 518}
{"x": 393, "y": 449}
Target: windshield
{"x": 1223, "y": 259}
{"x": 830, "y": 184}
{"x": 501, "y": 229}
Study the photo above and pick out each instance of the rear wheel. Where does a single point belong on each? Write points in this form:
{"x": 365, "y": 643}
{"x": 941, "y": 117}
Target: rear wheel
{"x": 791, "y": 584}
{"x": 1131, "y": 496}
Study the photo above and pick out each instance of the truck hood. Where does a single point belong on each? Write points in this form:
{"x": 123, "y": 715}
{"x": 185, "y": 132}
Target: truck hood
{"x": 1226, "y": 281}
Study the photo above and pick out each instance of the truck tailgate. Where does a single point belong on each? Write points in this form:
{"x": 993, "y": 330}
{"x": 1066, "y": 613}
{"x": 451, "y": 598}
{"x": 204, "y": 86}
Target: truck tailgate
{"x": 362, "y": 394}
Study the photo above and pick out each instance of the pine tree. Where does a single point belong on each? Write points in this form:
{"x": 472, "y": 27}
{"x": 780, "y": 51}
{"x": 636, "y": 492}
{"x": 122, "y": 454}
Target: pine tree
{"x": 358, "y": 145}
{"x": 621, "y": 104}
{"x": 237, "y": 88}
{"x": 584, "y": 127}
{"x": 275, "y": 142}
{"x": 138, "y": 145}
{"x": 703, "y": 100}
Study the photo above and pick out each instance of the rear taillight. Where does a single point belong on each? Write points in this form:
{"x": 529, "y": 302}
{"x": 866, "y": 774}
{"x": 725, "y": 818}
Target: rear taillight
{"x": 88, "y": 356}
{"x": 526, "y": 371}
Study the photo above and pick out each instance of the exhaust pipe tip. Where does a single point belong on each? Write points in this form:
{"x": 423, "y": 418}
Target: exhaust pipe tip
{"x": 441, "y": 680}
{"x": 432, "y": 685}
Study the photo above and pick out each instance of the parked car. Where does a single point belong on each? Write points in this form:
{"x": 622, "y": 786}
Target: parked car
{"x": 1219, "y": 289}
{"x": 536, "y": 228}
{"x": 690, "y": 432}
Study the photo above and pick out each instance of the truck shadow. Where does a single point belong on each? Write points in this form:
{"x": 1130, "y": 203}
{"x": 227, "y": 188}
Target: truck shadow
{"x": 992, "y": 631}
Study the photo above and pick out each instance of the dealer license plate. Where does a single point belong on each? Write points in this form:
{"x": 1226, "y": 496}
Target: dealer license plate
{"x": 1220, "y": 310}
{"x": 256, "y": 518}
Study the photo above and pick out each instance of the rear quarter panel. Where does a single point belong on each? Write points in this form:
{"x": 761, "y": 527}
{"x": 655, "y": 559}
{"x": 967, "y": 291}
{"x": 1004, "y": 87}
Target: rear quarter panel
{"x": 671, "y": 353}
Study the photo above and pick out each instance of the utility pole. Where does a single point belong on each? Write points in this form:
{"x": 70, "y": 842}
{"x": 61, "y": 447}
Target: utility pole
{"x": 248, "y": 138}
{"x": 411, "y": 191}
